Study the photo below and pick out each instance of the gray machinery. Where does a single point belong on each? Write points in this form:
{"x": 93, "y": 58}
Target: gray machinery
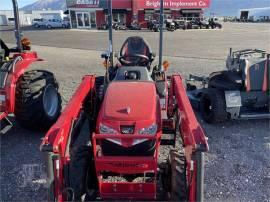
{"x": 240, "y": 92}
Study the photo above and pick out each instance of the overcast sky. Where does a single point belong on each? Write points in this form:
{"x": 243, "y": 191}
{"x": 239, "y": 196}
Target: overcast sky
{"x": 7, "y": 5}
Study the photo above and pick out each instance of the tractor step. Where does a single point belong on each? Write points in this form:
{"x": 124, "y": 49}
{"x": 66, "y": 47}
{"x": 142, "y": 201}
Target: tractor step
{"x": 5, "y": 125}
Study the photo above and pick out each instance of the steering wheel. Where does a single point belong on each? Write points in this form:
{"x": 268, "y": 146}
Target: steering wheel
{"x": 138, "y": 59}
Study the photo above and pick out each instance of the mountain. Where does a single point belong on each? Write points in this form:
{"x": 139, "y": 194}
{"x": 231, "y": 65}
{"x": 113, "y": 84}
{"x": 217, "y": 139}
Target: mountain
{"x": 219, "y": 7}
{"x": 231, "y": 7}
{"x": 46, "y": 4}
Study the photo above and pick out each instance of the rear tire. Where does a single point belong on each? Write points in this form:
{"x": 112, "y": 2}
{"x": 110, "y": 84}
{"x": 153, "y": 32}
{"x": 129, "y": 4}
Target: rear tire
{"x": 37, "y": 102}
{"x": 177, "y": 176}
{"x": 213, "y": 106}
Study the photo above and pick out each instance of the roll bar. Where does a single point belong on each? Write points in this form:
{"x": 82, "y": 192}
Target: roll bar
{"x": 161, "y": 19}
{"x": 17, "y": 25}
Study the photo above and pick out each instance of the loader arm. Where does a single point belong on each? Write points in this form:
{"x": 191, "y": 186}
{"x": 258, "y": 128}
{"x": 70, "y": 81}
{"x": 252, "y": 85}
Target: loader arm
{"x": 191, "y": 130}
{"x": 55, "y": 143}
{"x": 57, "y": 137}
{"x": 194, "y": 139}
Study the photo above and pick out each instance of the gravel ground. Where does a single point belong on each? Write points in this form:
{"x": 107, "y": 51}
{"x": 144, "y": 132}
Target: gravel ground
{"x": 238, "y": 163}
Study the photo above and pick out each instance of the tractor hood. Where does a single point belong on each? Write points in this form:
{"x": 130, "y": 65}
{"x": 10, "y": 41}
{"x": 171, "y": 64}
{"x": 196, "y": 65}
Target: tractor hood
{"x": 129, "y": 101}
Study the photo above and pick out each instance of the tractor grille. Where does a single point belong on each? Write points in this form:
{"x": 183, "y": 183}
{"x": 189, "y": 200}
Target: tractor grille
{"x": 127, "y": 129}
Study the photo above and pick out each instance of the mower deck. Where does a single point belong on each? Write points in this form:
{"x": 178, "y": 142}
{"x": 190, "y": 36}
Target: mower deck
{"x": 240, "y": 92}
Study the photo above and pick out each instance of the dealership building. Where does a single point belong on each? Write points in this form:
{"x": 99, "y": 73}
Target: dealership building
{"x": 93, "y": 13}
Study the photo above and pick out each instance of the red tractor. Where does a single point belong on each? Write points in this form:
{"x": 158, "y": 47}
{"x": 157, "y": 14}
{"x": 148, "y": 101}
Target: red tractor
{"x": 111, "y": 140}
{"x": 32, "y": 96}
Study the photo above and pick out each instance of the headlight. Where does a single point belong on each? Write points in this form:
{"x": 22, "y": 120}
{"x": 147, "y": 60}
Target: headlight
{"x": 106, "y": 130}
{"x": 151, "y": 130}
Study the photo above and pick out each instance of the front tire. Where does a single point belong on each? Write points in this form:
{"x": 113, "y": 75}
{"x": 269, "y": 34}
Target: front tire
{"x": 82, "y": 178}
{"x": 37, "y": 102}
{"x": 213, "y": 106}
{"x": 177, "y": 178}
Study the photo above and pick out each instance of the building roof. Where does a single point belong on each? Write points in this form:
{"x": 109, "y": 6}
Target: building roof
{"x": 255, "y": 9}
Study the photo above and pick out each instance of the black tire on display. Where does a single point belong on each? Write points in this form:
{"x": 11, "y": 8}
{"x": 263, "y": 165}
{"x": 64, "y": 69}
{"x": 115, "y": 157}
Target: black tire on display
{"x": 178, "y": 178}
{"x": 213, "y": 106}
{"x": 37, "y": 102}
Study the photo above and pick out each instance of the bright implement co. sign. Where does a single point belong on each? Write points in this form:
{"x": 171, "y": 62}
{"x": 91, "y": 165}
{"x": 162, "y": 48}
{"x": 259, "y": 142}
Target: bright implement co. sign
{"x": 173, "y": 4}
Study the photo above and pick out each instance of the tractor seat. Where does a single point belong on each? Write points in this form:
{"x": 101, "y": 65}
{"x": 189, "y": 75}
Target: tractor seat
{"x": 136, "y": 45}
{"x": 255, "y": 73}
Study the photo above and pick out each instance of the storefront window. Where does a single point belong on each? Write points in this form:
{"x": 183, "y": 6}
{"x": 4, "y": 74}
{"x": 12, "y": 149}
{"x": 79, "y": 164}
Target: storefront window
{"x": 115, "y": 17}
{"x": 122, "y": 18}
{"x": 148, "y": 15}
{"x": 167, "y": 13}
{"x": 73, "y": 19}
{"x": 119, "y": 17}
{"x": 86, "y": 20}
{"x": 80, "y": 20}
{"x": 93, "y": 19}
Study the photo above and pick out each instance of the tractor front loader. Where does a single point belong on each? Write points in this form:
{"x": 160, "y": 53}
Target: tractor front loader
{"x": 128, "y": 135}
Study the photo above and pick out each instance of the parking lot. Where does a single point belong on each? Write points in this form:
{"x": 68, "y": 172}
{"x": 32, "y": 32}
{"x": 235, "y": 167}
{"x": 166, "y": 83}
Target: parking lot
{"x": 238, "y": 163}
